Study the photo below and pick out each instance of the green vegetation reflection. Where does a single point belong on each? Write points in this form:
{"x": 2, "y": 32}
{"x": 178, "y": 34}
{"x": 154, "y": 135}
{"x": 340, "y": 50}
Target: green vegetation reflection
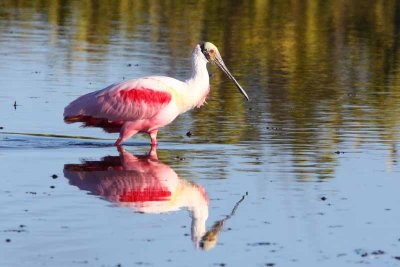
{"x": 320, "y": 73}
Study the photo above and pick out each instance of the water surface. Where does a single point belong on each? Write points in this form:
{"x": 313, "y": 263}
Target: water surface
{"x": 316, "y": 148}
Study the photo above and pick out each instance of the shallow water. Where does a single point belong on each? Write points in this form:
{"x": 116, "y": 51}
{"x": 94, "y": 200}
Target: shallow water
{"x": 316, "y": 148}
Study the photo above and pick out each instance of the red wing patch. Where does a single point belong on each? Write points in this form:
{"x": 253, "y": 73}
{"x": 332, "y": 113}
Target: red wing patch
{"x": 110, "y": 111}
{"x": 146, "y": 95}
{"x": 147, "y": 194}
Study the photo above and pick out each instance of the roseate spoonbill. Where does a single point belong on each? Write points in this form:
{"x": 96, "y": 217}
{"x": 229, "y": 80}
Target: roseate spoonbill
{"x": 149, "y": 103}
{"x": 143, "y": 184}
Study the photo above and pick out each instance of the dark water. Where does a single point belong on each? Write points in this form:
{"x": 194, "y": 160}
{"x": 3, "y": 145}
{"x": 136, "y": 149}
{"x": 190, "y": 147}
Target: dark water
{"x": 316, "y": 148}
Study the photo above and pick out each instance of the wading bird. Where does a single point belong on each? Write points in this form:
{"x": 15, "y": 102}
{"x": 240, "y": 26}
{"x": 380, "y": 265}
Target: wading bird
{"x": 149, "y": 103}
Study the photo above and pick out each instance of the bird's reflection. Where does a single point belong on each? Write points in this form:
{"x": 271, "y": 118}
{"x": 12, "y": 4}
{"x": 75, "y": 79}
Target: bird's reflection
{"x": 210, "y": 238}
{"x": 146, "y": 185}
{"x": 142, "y": 183}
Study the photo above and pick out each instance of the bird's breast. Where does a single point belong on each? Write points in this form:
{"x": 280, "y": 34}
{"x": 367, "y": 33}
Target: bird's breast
{"x": 203, "y": 97}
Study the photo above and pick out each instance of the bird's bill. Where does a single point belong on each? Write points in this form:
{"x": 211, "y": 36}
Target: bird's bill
{"x": 220, "y": 63}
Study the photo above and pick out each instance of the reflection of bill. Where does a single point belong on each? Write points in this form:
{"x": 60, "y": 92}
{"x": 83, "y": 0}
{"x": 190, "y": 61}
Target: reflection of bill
{"x": 144, "y": 184}
{"x": 210, "y": 238}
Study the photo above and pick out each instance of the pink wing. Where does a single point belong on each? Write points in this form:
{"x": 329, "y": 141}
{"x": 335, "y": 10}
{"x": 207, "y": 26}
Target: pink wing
{"x": 109, "y": 179}
{"x": 110, "y": 107}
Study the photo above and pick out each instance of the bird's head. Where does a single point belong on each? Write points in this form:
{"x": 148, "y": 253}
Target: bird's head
{"x": 211, "y": 53}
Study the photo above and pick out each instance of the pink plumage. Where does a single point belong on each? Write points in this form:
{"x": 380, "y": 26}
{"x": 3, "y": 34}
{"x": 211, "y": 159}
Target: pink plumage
{"x": 149, "y": 103}
{"x": 142, "y": 183}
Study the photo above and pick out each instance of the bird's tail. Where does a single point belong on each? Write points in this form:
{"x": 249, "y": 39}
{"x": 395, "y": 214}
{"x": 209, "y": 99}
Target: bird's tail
{"x": 89, "y": 121}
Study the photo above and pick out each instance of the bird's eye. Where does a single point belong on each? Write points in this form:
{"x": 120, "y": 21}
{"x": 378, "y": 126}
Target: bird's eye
{"x": 212, "y": 51}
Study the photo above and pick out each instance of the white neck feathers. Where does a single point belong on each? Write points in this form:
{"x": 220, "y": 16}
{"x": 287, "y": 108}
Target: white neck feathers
{"x": 198, "y": 85}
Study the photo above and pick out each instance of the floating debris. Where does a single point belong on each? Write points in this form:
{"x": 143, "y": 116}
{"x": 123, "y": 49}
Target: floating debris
{"x": 361, "y": 252}
{"x": 179, "y": 158}
{"x": 189, "y": 134}
{"x": 256, "y": 244}
{"x": 378, "y": 252}
{"x": 15, "y": 231}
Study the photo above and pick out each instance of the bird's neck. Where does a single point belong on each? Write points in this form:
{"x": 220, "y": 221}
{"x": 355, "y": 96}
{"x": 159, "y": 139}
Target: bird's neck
{"x": 195, "y": 199}
{"x": 198, "y": 85}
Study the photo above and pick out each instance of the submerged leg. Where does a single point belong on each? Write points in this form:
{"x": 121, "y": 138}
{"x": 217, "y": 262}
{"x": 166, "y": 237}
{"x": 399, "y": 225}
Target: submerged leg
{"x": 127, "y": 131}
{"x": 153, "y": 136}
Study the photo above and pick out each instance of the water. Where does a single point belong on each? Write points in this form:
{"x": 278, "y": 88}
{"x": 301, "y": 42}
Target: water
{"x": 316, "y": 148}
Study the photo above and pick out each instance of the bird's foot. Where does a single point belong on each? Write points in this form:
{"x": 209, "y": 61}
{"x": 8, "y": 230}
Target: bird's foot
{"x": 121, "y": 149}
{"x": 153, "y": 152}
{"x": 118, "y": 142}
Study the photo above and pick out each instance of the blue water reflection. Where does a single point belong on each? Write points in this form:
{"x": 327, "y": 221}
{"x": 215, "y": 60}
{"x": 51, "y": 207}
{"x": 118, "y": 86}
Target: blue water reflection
{"x": 323, "y": 123}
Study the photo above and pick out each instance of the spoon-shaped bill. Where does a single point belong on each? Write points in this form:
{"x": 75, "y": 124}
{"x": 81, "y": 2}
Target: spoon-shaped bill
{"x": 220, "y": 63}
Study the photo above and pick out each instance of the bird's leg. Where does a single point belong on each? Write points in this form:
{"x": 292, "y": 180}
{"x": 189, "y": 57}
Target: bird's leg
{"x": 153, "y": 136}
{"x": 127, "y": 131}
{"x": 120, "y": 148}
{"x": 153, "y": 152}
{"x": 118, "y": 142}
